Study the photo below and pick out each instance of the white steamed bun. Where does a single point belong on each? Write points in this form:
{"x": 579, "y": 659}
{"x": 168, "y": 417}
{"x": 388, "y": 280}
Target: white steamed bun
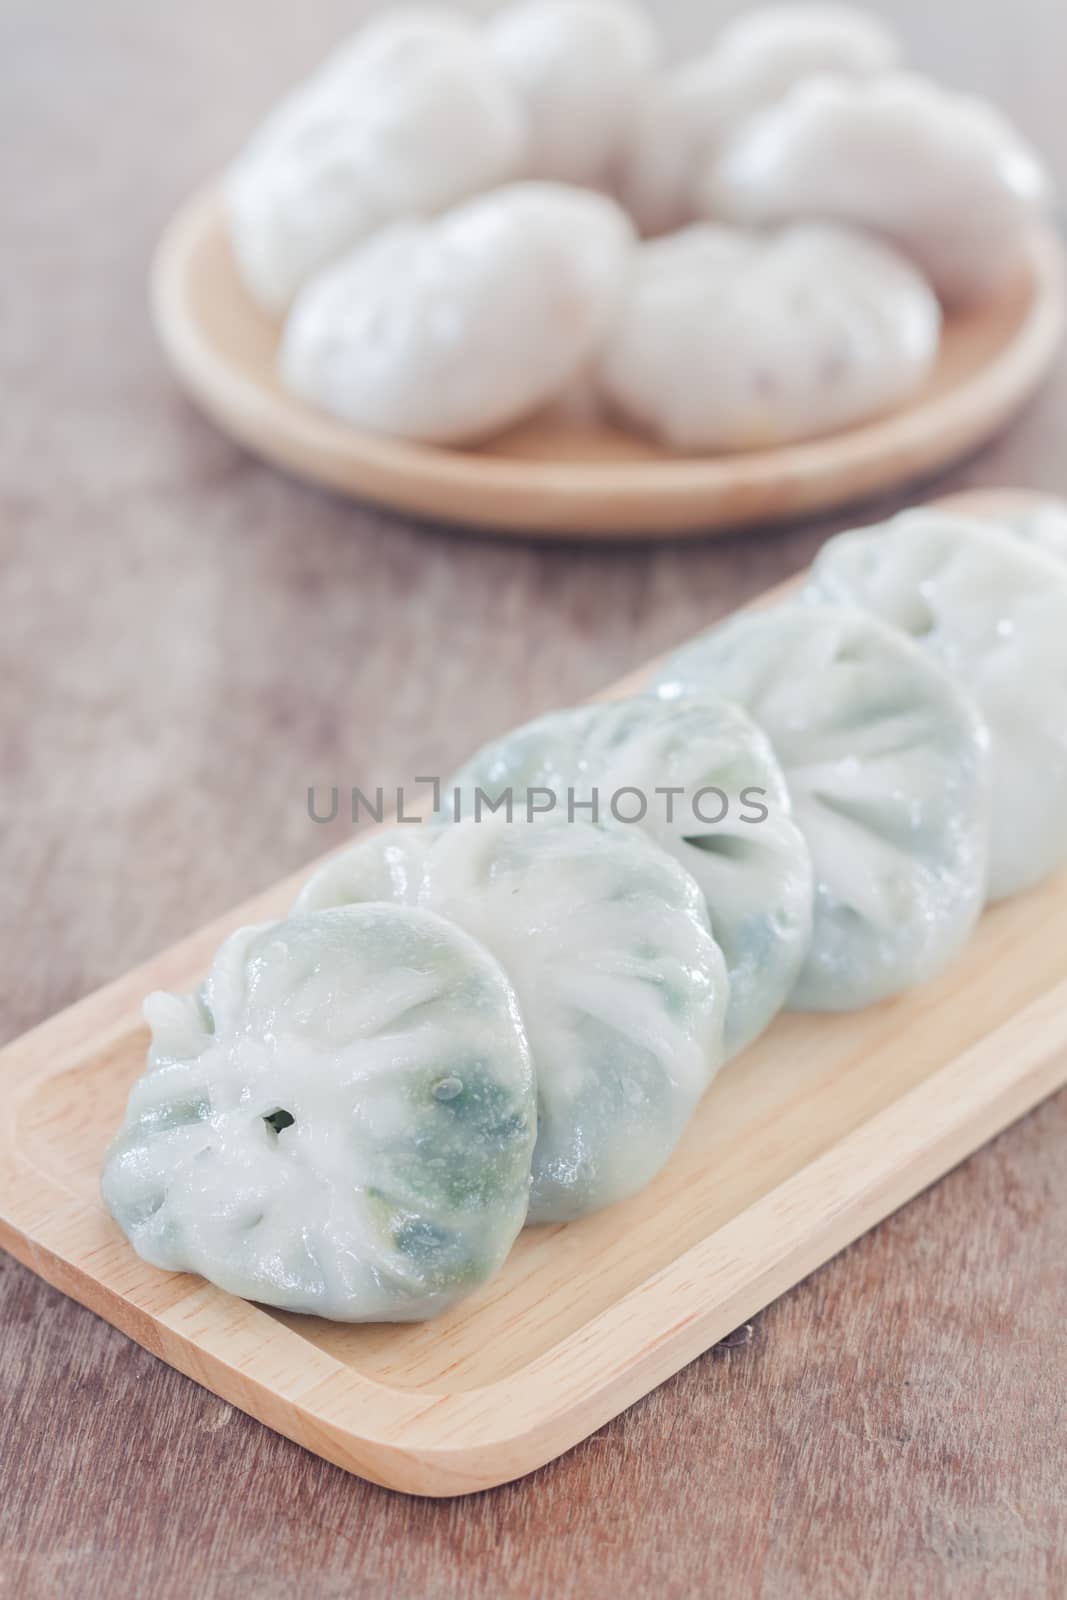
{"x": 730, "y": 340}
{"x": 579, "y": 67}
{"x": 944, "y": 176}
{"x": 687, "y": 114}
{"x": 449, "y": 330}
{"x": 412, "y": 116}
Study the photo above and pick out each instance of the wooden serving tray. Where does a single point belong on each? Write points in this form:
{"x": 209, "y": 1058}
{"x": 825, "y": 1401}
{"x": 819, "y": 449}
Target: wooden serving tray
{"x": 553, "y": 475}
{"x": 817, "y": 1132}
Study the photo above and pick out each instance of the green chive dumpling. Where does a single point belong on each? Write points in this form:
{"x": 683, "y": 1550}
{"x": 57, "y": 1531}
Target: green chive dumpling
{"x": 993, "y": 612}
{"x": 709, "y": 791}
{"x": 887, "y": 764}
{"x": 342, "y": 1123}
{"x": 1040, "y": 521}
{"x": 620, "y": 984}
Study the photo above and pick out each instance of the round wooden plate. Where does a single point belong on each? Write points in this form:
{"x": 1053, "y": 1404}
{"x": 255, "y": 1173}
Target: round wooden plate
{"x": 557, "y": 476}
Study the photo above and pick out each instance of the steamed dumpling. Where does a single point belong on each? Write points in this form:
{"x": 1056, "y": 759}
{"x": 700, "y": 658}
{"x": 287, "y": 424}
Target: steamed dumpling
{"x": 887, "y": 765}
{"x": 994, "y": 614}
{"x": 765, "y": 51}
{"x": 621, "y": 986}
{"x": 730, "y": 340}
{"x": 409, "y": 118}
{"x": 579, "y": 68}
{"x": 343, "y": 1124}
{"x": 386, "y": 34}
{"x": 708, "y": 790}
{"x": 944, "y": 176}
{"x": 688, "y": 113}
{"x": 450, "y": 330}
{"x": 1041, "y": 523}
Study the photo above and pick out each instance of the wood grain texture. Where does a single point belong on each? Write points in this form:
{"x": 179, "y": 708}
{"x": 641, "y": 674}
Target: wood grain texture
{"x": 184, "y": 632}
{"x": 555, "y": 476}
{"x": 814, "y": 1134}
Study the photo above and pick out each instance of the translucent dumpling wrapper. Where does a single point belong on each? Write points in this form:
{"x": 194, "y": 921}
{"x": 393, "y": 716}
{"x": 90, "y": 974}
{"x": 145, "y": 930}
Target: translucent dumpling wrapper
{"x": 579, "y": 68}
{"x": 944, "y": 176}
{"x": 342, "y": 1124}
{"x": 887, "y": 764}
{"x": 993, "y": 613}
{"x": 687, "y": 114}
{"x": 731, "y": 340}
{"x": 621, "y": 986}
{"x": 450, "y": 330}
{"x": 700, "y": 779}
{"x": 412, "y": 116}
{"x": 1042, "y": 523}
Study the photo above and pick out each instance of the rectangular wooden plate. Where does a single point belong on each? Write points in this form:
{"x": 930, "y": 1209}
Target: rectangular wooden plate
{"x": 820, "y": 1130}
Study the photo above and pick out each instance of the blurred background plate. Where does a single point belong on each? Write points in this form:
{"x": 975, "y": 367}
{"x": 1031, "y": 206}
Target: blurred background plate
{"x": 559, "y": 476}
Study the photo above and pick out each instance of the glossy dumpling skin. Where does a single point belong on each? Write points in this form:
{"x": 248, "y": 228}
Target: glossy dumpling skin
{"x": 732, "y": 340}
{"x": 620, "y": 985}
{"x": 994, "y": 614}
{"x": 887, "y": 765}
{"x": 410, "y": 117}
{"x": 688, "y": 113}
{"x": 752, "y": 864}
{"x": 579, "y": 68}
{"x": 1042, "y": 523}
{"x": 450, "y": 330}
{"x": 342, "y": 1124}
{"x": 944, "y": 176}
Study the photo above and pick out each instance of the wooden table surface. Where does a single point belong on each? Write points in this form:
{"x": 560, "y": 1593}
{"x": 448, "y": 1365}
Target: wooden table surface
{"x": 189, "y": 641}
